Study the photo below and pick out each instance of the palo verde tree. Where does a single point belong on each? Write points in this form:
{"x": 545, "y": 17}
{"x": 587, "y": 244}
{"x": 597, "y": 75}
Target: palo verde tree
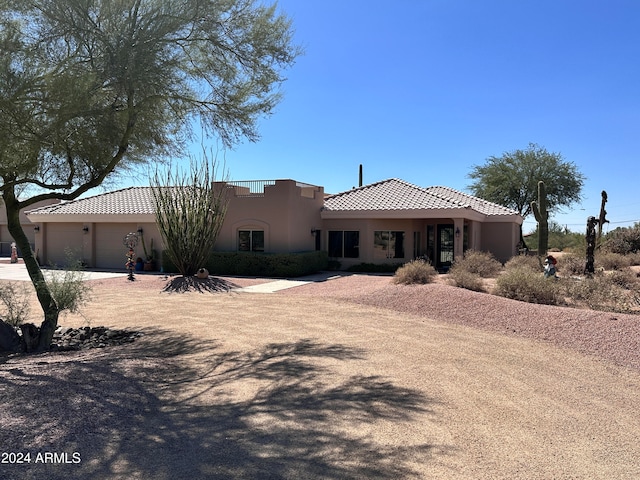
{"x": 190, "y": 210}
{"x": 512, "y": 180}
{"x": 91, "y": 87}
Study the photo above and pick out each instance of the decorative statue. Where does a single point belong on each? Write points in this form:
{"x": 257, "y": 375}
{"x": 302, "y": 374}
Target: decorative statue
{"x": 592, "y": 222}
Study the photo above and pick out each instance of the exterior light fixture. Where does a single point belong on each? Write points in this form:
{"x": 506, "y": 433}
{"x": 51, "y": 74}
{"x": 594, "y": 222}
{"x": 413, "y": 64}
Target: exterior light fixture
{"x": 457, "y": 232}
{"x": 85, "y": 229}
{"x": 36, "y": 228}
{"x": 140, "y": 230}
{"x": 313, "y": 231}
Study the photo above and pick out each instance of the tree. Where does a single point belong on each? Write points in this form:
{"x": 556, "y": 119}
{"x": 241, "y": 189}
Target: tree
{"x": 512, "y": 179}
{"x": 90, "y": 87}
{"x": 189, "y": 213}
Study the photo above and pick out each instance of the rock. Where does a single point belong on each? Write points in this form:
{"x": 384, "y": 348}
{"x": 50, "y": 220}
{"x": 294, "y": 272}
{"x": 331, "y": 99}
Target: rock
{"x": 9, "y": 338}
{"x": 202, "y": 274}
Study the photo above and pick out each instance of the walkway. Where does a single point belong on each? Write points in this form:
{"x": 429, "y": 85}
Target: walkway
{"x": 17, "y": 271}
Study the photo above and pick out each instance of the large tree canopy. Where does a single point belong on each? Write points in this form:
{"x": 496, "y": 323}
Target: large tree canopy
{"x": 89, "y": 86}
{"x": 512, "y": 179}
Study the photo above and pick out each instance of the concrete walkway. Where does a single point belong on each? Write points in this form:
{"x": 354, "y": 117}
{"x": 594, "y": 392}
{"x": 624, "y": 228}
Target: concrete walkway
{"x": 18, "y": 272}
{"x": 282, "y": 284}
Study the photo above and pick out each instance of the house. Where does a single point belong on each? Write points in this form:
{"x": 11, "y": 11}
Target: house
{"x": 29, "y": 228}
{"x": 385, "y": 222}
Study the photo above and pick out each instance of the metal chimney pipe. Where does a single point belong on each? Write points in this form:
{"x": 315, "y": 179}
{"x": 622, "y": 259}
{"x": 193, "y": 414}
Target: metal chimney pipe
{"x": 360, "y": 177}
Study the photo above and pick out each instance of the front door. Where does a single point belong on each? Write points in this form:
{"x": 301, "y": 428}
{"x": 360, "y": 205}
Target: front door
{"x": 444, "y": 247}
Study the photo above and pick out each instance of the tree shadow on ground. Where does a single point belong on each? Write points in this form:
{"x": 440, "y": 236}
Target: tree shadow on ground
{"x": 201, "y": 285}
{"x": 144, "y": 411}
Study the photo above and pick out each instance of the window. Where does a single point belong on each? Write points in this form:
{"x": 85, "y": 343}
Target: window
{"x": 345, "y": 244}
{"x": 388, "y": 244}
{"x": 251, "y": 240}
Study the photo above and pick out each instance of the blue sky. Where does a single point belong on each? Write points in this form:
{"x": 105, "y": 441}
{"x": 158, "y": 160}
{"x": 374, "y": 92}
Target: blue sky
{"x": 424, "y": 89}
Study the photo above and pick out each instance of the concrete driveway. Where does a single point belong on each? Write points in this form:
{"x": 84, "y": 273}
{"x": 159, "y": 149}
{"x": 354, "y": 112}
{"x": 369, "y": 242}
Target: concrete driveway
{"x": 18, "y": 271}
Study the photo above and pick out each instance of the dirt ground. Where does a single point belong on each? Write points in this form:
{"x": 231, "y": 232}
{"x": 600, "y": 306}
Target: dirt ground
{"x": 309, "y": 384}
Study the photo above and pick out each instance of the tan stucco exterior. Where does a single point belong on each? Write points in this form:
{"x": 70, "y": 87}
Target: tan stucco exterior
{"x": 27, "y": 226}
{"x": 288, "y": 216}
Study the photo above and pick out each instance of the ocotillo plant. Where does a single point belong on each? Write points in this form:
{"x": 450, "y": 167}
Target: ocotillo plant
{"x": 542, "y": 217}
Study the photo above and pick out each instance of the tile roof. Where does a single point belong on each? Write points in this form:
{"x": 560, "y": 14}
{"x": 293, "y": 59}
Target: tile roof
{"x": 395, "y": 194}
{"x": 128, "y": 201}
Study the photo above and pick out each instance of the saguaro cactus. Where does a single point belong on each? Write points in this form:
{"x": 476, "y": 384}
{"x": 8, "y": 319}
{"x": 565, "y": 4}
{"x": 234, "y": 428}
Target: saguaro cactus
{"x": 542, "y": 217}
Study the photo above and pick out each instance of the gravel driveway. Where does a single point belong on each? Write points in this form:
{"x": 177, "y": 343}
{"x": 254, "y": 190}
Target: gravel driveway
{"x": 349, "y": 378}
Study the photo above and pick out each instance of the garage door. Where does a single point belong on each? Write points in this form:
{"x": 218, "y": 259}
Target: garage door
{"x": 110, "y": 252}
{"x": 64, "y": 243}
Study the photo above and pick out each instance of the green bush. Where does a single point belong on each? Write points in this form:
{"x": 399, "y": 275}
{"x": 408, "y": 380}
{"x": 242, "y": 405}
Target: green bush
{"x": 623, "y": 240}
{"x": 415, "y": 271}
{"x": 482, "y": 264}
{"x": 15, "y": 299}
{"x": 375, "y": 267}
{"x": 521, "y": 283}
{"x": 465, "y": 279}
{"x": 261, "y": 264}
{"x": 69, "y": 289}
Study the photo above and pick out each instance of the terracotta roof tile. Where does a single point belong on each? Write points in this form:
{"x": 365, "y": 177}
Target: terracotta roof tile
{"x": 128, "y": 201}
{"x": 395, "y": 194}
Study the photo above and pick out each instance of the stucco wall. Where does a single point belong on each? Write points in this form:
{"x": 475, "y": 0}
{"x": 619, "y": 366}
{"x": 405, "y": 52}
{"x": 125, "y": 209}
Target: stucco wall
{"x": 286, "y": 213}
{"x": 501, "y": 239}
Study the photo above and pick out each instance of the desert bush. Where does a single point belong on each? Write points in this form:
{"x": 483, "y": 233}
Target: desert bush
{"x": 571, "y": 265}
{"x": 523, "y": 284}
{"x": 611, "y": 260}
{"x": 634, "y": 258}
{"x": 464, "y": 279}
{"x": 15, "y": 300}
{"x": 606, "y": 292}
{"x": 479, "y": 263}
{"x": 623, "y": 240}
{"x": 624, "y": 278}
{"x": 415, "y": 271}
{"x": 69, "y": 289}
{"x": 524, "y": 261}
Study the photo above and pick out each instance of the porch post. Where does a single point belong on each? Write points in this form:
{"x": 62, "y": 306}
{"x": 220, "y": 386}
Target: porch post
{"x": 458, "y": 240}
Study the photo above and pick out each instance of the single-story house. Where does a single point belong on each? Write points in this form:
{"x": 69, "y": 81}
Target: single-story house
{"x": 391, "y": 221}
{"x": 5, "y": 237}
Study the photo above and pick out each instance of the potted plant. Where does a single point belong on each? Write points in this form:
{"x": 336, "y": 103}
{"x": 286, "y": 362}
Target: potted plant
{"x": 150, "y": 256}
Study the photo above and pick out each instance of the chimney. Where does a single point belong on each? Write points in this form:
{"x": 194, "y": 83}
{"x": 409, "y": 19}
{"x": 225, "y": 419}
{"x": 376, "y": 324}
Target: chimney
{"x": 360, "y": 176}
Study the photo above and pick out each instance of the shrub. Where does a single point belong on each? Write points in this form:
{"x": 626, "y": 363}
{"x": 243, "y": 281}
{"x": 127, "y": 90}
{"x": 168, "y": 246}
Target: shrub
{"x": 375, "y": 267}
{"x": 482, "y": 264}
{"x": 524, "y": 261}
{"x": 261, "y": 264}
{"x": 465, "y": 279}
{"x": 623, "y": 240}
{"x": 572, "y": 265}
{"x": 15, "y": 298}
{"x": 624, "y": 278}
{"x": 611, "y": 260}
{"x": 521, "y": 283}
{"x": 605, "y": 292}
{"x": 415, "y": 271}
{"x": 69, "y": 289}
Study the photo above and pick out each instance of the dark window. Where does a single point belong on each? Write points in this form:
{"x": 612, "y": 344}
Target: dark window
{"x": 251, "y": 240}
{"x": 344, "y": 244}
{"x": 388, "y": 244}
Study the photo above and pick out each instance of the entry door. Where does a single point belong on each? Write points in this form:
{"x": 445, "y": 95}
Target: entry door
{"x": 444, "y": 252}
